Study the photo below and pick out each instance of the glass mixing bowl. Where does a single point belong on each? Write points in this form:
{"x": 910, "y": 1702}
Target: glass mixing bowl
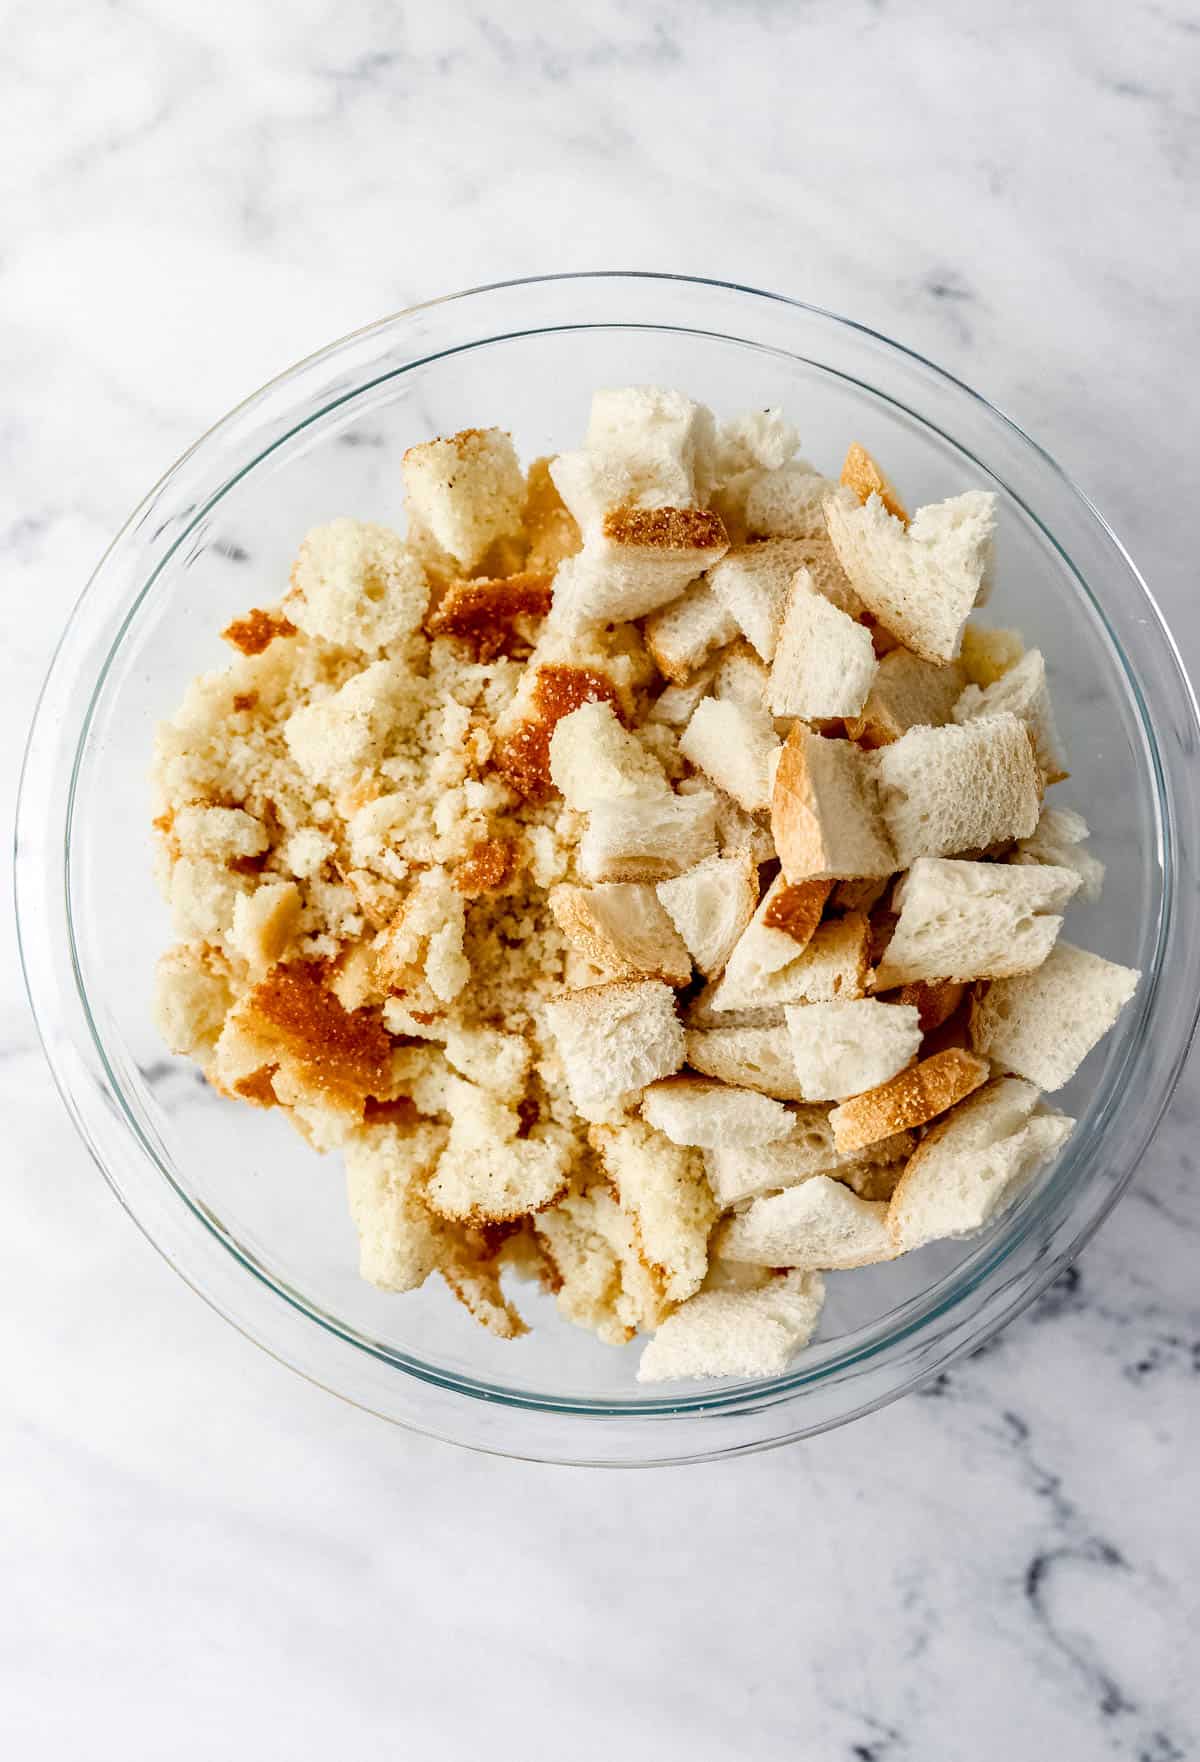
{"x": 256, "y": 1222}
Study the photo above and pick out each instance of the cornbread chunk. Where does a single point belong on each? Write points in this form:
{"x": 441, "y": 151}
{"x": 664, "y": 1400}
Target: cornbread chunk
{"x": 356, "y": 585}
{"x": 488, "y": 1172}
{"x": 663, "y": 1190}
{"x": 401, "y": 1241}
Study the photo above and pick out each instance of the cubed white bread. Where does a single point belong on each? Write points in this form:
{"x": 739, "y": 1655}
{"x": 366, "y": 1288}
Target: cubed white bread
{"x": 842, "y": 1048}
{"x": 711, "y": 905}
{"x": 747, "y": 1333}
{"x": 944, "y": 791}
{"x": 683, "y": 634}
{"x": 920, "y": 581}
{"x": 697, "y": 1111}
{"x": 914, "y": 1096}
{"x": 665, "y": 440}
{"x": 614, "y": 1039}
{"x": 1042, "y": 1025}
{"x": 467, "y": 490}
{"x": 834, "y": 964}
{"x": 752, "y": 583}
{"x": 356, "y": 585}
{"x": 988, "y": 653}
{"x": 701, "y": 1014}
{"x": 825, "y": 815}
{"x": 1058, "y": 839}
{"x": 675, "y": 705}
{"x": 633, "y": 562}
{"x": 735, "y": 1174}
{"x": 783, "y": 925}
{"x": 265, "y": 924}
{"x": 593, "y": 759}
{"x": 974, "y": 1163}
{"x": 591, "y": 484}
{"x": 788, "y": 502}
{"x": 736, "y": 747}
{"x": 490, "y": 1173}
{"x": 907, "y": 692}
{"x": 400, "y": 1240}
{"x": 602, "y": 1283}
{"x": 1023, "y": 691}
{"x": 746, "y": 1058}
{"x": 824, "y": 661}
{"x": 859, "y": 896}
{"x": 756, "y": 439}
{"x": 648, "y": 839}
{"x": 966, "y": 920}
{"x": 663, "y": 1189}
{"x": 737, "y": 831}
{"x": 817, "y": 1226}
{"x": 620, "y": 927}
{"x": 741, "y": 678}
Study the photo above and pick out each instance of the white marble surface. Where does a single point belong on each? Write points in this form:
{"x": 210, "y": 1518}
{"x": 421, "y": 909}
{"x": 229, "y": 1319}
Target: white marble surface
{"x": 204, "y": 1557}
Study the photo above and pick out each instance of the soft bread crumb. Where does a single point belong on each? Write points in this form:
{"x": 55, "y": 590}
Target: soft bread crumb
{"x": 694, "y": 1111}
{"x": 841, "y": 1048}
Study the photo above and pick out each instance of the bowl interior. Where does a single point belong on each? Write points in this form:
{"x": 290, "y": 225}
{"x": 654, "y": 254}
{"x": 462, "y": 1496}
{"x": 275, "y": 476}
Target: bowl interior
{"x": 275, "y": 1203}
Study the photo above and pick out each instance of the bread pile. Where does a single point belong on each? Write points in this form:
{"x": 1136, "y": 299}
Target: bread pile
{"x": 641, "y": 872}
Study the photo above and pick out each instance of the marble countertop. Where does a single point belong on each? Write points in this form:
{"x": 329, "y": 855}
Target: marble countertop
{"x": 205, "y": 1557}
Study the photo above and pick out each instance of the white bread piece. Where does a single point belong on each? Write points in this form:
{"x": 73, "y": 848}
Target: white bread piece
{"x": 920, "y": 581}
{"x": 752, "y": 583}
{"x": 741, "y": 678}
{"x": 683, "y": 634}
{"x": 914, "y": 1096}
{"x": 648, "y": 839}
{"x": 633, "y": 562}
{"x": 700, "y": 1013}
{"x": 265, "y": 923}
{"x": 593, "y": 759}
{"x": 1023, "y": 691}
{"x": 965, "y": 920}
{"x": 825, "y": 815}
{"x": 662, "y": 1188}
{"x": 760, "y": 440}
{"x": 1042, "y": 1025}
{"x": 359, "y": 586}
{"x": 590, "y": 484}
{"x": 620, "y": 927}
{"x": 1057, "y": 839}
{"x": 613, "y": 1039}
{"x": 974, "y": 1163}
{"x": 746, "y": 1058}
{"x": 842, "y": 1048}
{"x": 817, "y": 1226}
{"x": 735, "y": 1174}
{"x": 835, "y": 964}
{"x": 664, "y": 440}
{"x": 737, "y": 831}
{"x": 944, "y": 791}
{"x": 736, "y": 747}
{"x": 732, "y": 1333}
{"x": 487, "y": 1172}
{"x": 788, "y": 502}
{"x": 711, "y": 905}
{"x": 907, "y": 692}
{"x": 675, "y": 704}
{"x": 988, "y": 653}
{"x": 400, "y": 1240}
{"x": 782, "y": 927}
{"x": 824, "y": 661}
{"x": 696, "y": 1111}
{"x": 466, "y": 490}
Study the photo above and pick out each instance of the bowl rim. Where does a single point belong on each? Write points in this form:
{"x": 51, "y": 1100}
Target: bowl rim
{"x": 763, "y": 1394}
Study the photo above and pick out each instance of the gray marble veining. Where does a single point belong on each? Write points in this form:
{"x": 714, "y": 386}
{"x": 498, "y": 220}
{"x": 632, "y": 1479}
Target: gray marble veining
{"x": 203, "y": 1555}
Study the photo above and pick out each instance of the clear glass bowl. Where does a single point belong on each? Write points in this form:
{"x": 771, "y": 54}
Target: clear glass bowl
{"x": 253, "y": 1220}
